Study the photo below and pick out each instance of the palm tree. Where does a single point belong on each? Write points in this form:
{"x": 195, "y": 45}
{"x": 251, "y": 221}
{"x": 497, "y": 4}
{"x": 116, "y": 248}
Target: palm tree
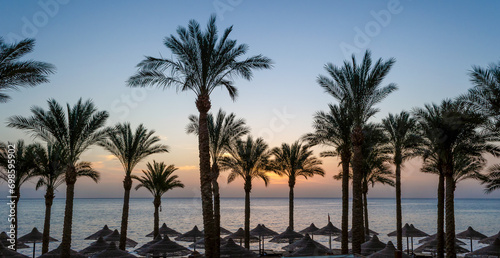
{"x": 75, "y": 132}
{"x": 23, "y": 168}
{"x": 222, "y": 132}
{"x": 249, "y": 160}
{"x": 359, "y": 88}
{"x": 158, "y": 180}
{"x": 294, "y": 161}
{"x": 333, "y": 129}
{"x": 15, "y": 73}
{"x": 404, "y": 141}
{"x": 130, "y": 148}
{"x": 493, "y": 178}
{"x": 452, "y": 129}
{"x": 49, "y": 167}
{"x": 201, "y": 63}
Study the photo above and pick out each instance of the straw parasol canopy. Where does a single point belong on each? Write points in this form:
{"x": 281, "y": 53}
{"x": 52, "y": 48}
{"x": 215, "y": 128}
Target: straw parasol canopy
{"x": 6, "y": 252}
{"x": 165, "y": 231}
{"x": 261, "y": 232}
{"x": 431, "y": 246}
{"x": 113, "y": 251}
{"x": 490, "y": 239}
{"x": 388, "y": 251}
{"x": 302, "y": 243}
{"x": 101, "y": 233}
{"x": 491, "y": 250}
{"x": 115, "y": 237}
{"x": 166, "y": 247}
{"x": 223, "y": 231}
{"x": 141, "y": 249}
{"x": 329, "y": 230}
{"x": 471, "y": 234}
{"x": 240, "y": 235}
{"x": 191, "y": 236}
{"x": 433, "y": 237}
{"x": 310, "y": 230}
{"x": 56, "y": 253}
{"x": 201, "y": 243}
{"x": 372, "y": 246}
{"x": 231, "y": 249}
{"x": 288, "y": 236}
{"x": 33, "y": 237}
{"x": 409, "y": 231}
{"x": 4, "y": 239}
{"x": 95, "y": 247}
{"x": 310, "y": 249}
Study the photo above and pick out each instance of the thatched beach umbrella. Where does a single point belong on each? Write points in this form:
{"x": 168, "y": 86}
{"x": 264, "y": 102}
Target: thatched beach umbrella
{"x": 113, "y": 252}
{"x": 56, "y": 253}
{"x": 115, "y": 237}
{"x": 310, "y": 230}
{"x": 388, "y": 251}
{"x": 302, "y": 243}
{"x": 491, "y": 250}
{"x": 433, "y": 237}
{"x": 4, "y": 239}
{"x": 471, "y": 234}
{"x": 101, "y": 233}
{"x": 287, "y": 236}
{"x": 310, "y": 249}
{"x": 372, "y": 246}
{"x": 166, "y": 247}
{"x": 491, "y": 239}
{"x": 262, "y": 231}
{"x": 33, "y": 237}
{"x": 141, "y": 249}
{"x": 165, "y": 231}
{"x": 240, "y": 235}
{"x": 231, "y": 249}
{"x": 191, "y": 236}
{"x": 6, "y": 252}
{"x": 329, "y": 230}
{"x": 409, "y": 231}
{"x": 95, "y": 247}
{"x": 431, "y": 246}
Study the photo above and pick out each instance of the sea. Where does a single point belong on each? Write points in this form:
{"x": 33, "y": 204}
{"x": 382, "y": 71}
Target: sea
{"x": 182, "y": 214}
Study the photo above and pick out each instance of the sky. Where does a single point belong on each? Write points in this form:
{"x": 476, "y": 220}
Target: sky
{"x": 96, "y": 46}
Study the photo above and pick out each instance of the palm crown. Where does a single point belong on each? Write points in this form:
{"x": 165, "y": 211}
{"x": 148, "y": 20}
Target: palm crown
{"x": 158, "y": 178}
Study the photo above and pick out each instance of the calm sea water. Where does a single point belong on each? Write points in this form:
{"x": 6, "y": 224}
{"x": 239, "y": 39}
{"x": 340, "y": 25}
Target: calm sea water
{"x": 90, "y": 215}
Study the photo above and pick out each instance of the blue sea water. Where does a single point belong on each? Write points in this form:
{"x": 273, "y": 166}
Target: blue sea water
{"x": 182, "y": 215}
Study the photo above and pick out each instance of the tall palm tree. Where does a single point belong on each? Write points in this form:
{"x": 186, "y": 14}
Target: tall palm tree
{"x": 15, "y": 73}
{"x": 493, "y": 179}
{"x": 202, "y": 62}
{"x": 23, "y": 167}
{"x": 454, "y": 130}
{"x": 294, "y": 161}
{"x": 333, "y": 129}
{"x": 359, "y": 88}
{"x": 158, "y": 179}
{"x": 249, "y": 160}
{"x": 130, "y": 148}
{"x": 223, "y": 130}
{"x": 75, "y": 131}
{"x": 49, "y": 168}
{"x": 404, "y": 141}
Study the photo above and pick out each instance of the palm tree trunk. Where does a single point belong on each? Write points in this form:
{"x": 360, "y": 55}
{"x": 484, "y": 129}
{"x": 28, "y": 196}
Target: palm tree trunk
{"x": 365, "y": 203}
{"x": 440, "y": 216}
{"x": 215, "y": 185}
{"x": 357, "y": 196}
{"x": 399, "y": 218}
{"x": 68, "y": 211}
{"x": 156, "y": 229}
{"x": 248, "y": 188}
{"x": 127, "y": 185}
{"x": 203, "y": 105}
{"x": 291, "y": 184}
{"x": 450, "y": 215}
{"x": 346, "y": 157}
{"x": 49, "y": 198}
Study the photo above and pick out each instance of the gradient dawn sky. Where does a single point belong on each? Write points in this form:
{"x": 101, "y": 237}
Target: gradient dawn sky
{"x": 97, "y": 44}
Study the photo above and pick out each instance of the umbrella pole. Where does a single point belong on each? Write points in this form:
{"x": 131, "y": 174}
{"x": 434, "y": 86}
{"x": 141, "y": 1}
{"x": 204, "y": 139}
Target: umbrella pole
{"x": 34, "y": 243}
{"x": 411, "y": 244}
{"x": 194, "y": 243}
{"x": 312, "y": 236}
{"x": 471, "y": 245}
{"x": 407, "y": 246}
{"x": 330, "y": 241}
{"x": 263, "y": 249}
